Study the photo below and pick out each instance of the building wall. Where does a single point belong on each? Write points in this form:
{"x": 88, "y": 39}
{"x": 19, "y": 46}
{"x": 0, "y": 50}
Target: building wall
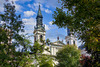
{"x": 37, "y": 35}
{"x": 53, "y": 50}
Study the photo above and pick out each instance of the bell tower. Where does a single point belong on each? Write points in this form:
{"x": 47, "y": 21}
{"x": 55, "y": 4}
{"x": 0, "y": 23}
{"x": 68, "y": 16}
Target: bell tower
{"x": 39, "y": 29}
{"x": 70, "y": 38}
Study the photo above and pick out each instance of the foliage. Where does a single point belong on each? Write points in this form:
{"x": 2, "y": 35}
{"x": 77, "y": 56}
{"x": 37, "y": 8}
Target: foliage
{"x": 48, "y": 42}
{"x": 82, "y": 17}
{"x": 42, "y": 60}
{"x": 9, "y": 31}
{"x": 3, "y": 36}
{"x": 68, "y": 56}
{"x": 37, "y": 49}
{"x": 46, "y": 61}
{"x": 85, "y": 61}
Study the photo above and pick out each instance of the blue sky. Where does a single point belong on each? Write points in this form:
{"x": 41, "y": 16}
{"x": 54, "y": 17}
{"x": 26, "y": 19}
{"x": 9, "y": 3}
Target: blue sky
{"x": 28, "y": 10}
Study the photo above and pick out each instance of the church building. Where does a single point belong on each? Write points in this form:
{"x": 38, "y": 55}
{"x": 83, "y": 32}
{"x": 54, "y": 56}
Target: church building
{"x": 39, "y": 35}
{"x": 39, "y": 29}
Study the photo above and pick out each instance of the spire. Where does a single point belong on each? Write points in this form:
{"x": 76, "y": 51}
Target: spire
{"x": 39, "y": 12}
{"x": 39, "y": 19}
{"x": 68, "y": 31}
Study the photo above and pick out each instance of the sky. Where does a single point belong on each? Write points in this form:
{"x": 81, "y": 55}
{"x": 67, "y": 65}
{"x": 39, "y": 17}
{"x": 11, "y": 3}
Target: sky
{"x": 28, "y": 10}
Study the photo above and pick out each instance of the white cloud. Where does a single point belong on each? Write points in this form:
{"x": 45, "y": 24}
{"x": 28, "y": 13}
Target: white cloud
{"x": 47, "y": 6}
{"x": 30, "y": 21}
{"x": 35, "y": 6}
{"x": 50, "y": 22}
{"x": 49, "y": 3}
{"x": 29, "y": 13}
{"x": 22, "y": 1}
{"x": 29, "y": 5}
{"x": 29, "y": 25}
{"x": 2, "y": 22}
{"x": 47, "y": 27}
{"x": 53, "y": 39}
{"x": 25, "y": 0}
{"x": 13, "y": 0}
{"x": 52, "y": 26}
{"x": 30, "y": 31}
{"x": 41, "y": 1}
{"x": 1, "y": 5}
{"x": 48, "y": 11}
{"x": 18, "y": 7}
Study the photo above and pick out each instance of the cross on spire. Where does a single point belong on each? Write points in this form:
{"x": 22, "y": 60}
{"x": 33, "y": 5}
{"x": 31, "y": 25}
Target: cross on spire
{"x": 12, "y": 2}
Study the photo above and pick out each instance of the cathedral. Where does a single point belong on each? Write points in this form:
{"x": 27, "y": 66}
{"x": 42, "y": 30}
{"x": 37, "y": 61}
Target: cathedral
{"x": 39, "y": 35}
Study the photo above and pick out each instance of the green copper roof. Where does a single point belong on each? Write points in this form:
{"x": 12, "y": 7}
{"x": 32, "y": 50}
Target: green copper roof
{"x": 39, "y": 18}
{"x": 39, "y": 12}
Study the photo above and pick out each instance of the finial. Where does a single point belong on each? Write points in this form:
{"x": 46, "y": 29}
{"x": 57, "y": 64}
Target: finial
{"x": 39, "y": 4}
{"x": 12, "y": 2}
{"x": 58, "y": 38}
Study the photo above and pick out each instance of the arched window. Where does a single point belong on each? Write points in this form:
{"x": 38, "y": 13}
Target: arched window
{"x": 35, "y": 39}
{"x": 73, "y": 42}
{"x": 41, "y": 37}
{"x": 67, "y": 42}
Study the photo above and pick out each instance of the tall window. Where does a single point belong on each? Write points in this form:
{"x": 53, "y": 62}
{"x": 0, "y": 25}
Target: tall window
{"x": 35, "y": 38}
{"x": 73, "y": 42}
{"x": 67, "y": 42}
{"x": 41, "y": 37}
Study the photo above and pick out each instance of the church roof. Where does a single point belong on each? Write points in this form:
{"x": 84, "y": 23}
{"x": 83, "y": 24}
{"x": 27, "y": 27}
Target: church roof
{"x": 58, "y": 43}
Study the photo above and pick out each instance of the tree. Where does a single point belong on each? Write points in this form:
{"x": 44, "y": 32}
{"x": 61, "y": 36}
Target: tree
{"x": 9, "y": 31}
{"x": 85, "y": 61}
{"x": 68, "y": 56}
{"x": 23, "y": 57}
{"x": 82, "y": 17}
{"x": 37, "y": 49}
{"x": 48, "y": 42}
{"x": 40, "y": 58}
{"x": 46, "y": 61}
